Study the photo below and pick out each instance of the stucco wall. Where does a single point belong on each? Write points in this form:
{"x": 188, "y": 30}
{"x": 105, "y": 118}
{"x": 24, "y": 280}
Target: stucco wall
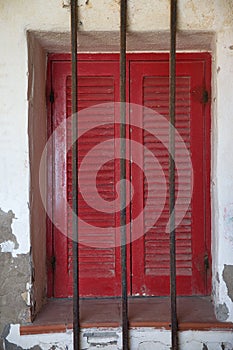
{"x": 111, "y": 339}
{"x": 17, "y": 17}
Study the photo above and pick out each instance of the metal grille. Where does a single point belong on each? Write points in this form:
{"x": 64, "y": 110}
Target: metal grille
{"x": 76, "y": 310}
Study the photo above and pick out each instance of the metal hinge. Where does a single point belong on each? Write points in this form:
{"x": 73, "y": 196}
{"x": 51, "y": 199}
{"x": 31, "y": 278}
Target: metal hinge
{"x": 53, "y": 262}
{"x": 206, "y": 261}
{"x": 51, "y": 97}
{"x": 205, "y": 97}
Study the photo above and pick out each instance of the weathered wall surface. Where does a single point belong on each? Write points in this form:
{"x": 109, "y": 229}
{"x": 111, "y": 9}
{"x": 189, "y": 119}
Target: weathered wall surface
{"x": 110, "y": 339}
{"x": 15, "y": 274}
{"x": 17, "y": 17}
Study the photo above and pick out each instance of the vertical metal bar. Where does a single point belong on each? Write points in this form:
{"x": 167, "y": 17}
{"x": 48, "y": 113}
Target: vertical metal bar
{"x": 76, "y": 311}
{"x": 123, "y": 19}
{"x": 174, "y": 324}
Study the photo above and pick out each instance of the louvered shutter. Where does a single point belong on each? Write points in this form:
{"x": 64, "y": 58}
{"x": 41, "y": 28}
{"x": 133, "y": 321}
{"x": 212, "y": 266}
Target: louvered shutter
{"x": 99, "y": 263}
{"x": 150, "y": 254}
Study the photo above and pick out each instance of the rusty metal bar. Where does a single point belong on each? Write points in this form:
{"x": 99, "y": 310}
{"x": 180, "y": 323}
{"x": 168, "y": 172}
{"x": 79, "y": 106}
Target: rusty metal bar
{"x": 123, "y": 20}
{"x": 76, "y": 310}
{"x": 172, "y": 105}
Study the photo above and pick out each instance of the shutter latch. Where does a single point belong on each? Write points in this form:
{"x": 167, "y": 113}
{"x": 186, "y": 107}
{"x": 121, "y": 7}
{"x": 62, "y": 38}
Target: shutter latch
{"x": 206, "y": 261}
{"x": 53, "y": 262}
{"x": 205, "y": 97}
{"x": 51, "y": 96}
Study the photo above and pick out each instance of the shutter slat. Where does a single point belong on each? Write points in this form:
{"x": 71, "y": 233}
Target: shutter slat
{"x": 156, "y": 242}
{"x": 94, "y": 262}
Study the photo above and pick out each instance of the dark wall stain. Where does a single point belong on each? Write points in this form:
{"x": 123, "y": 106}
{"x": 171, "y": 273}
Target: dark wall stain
{"x": 6, "y": 345}
{"x": 228, "y": 279}
{"x": 11, "y": 346}
{"x": 217, "y": 277}
{"x": 5, "y": 227}
{"x": 222, "y": 312}
{"x": 14, "y": 275}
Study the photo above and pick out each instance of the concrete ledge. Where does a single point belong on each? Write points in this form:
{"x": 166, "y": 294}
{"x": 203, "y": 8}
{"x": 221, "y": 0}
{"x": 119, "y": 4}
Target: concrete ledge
{"x": 194, "y": 313}
{"x": 101, "y": 41}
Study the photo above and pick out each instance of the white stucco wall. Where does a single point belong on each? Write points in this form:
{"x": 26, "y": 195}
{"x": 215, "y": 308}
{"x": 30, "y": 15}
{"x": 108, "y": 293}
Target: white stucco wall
{"x": 16, "y": 17}
{"x": 111, "y": 339}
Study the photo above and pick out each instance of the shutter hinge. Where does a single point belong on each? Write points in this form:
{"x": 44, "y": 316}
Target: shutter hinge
{"x": 51, "y": 96}
{"x": 205, "y": 97}
{"x": 206, "y": 261}
{"x": 53, "y": 262}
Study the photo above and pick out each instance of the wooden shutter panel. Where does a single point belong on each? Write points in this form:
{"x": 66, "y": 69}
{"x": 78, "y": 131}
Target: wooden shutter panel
{"x": 157, "y": 256}
{"x": 99, "y": 266}
{"x": 150, "y": 87}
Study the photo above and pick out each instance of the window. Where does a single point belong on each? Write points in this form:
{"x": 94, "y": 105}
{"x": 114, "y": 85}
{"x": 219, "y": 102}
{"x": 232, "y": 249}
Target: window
{"x": 148, "y": 254}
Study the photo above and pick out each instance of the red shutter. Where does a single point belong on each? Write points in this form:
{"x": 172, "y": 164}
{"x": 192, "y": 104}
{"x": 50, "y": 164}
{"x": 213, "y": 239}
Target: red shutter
{"x": 150, "y": 87}
{"x": 148, "y": 256}
{"x": 99, "y": 263}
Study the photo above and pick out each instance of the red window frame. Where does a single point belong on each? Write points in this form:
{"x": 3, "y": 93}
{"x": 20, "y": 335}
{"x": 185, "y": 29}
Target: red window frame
{"x": 203, "y": 287}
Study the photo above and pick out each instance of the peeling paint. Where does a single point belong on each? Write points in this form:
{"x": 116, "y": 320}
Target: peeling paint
{"x": 101, "y": 338}
{"x": 7, "y": 247}
{"x": 15, "y": 274}
{"x": 228, "y": 279}
{"x": 66, "y": 3}
{"x": 52, "y": 341}
{"x": 147, "y": 338}
{"x": 8, "y": 241}
{"x": 227, "y": 346}
{"x": 13, "y": 308}
{"x": 12, "y": 346}
{"x": 222, "y": 312}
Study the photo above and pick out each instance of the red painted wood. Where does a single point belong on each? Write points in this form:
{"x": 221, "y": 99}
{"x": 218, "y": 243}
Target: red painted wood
{"x": 99, "y": 267}
{"x": 49, "y": 224}
{"x": 207, "y": 169}
{"x": 152, "y": 277}
{"x": 145, "y": 277}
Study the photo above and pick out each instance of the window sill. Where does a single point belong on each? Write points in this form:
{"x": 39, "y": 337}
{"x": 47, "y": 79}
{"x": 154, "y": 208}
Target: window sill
{"x": 194, "y": 313}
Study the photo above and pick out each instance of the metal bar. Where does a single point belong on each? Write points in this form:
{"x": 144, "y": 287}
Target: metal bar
{"x": 123, "y": 20}
{"x": 172, "y": 74}
{"x": 76, "y": 311}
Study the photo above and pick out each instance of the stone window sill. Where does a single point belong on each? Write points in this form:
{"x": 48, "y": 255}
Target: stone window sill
{"x": 194, "y": 313}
